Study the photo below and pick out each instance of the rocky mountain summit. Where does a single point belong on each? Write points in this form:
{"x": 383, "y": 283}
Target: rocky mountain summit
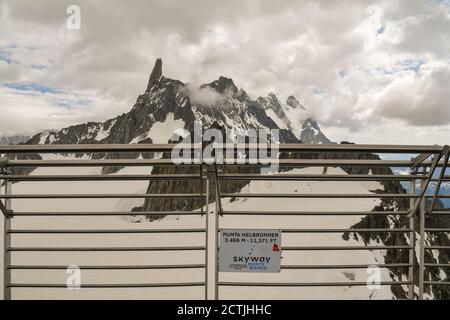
{"x": 168, "y": 104}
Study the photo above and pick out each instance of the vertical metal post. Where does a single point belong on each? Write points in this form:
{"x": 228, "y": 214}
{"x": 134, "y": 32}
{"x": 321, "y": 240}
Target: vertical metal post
{"x": 6, "y": 245}
{"x": 412, "y": 241}
{"x": 216, "y": 242}
{"x": 213, "y": 261}
{"x": 206, "y": 238}
{"x": 201, "y": 189}
{"x": 422, "y": 245}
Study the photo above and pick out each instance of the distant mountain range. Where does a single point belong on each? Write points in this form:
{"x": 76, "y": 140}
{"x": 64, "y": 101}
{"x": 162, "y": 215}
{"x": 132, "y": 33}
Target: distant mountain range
{"x": 169, "y": 104}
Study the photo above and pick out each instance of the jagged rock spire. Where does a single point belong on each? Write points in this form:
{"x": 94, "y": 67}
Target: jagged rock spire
{"x": 156, "y": 74}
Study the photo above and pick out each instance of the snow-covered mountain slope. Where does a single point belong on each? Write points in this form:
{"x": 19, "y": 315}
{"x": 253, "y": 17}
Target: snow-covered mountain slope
{"x": 293, "y": 116}
{"x": 130, "y": 276}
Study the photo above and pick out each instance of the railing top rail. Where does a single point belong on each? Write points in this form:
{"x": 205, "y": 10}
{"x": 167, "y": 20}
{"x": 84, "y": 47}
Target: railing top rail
{"x": 165, "y": 162}
{"x": 294, "y": 147}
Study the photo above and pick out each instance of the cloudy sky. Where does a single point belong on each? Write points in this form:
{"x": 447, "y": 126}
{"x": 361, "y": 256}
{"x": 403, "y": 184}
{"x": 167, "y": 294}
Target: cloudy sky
{"x": 370, "y": 71}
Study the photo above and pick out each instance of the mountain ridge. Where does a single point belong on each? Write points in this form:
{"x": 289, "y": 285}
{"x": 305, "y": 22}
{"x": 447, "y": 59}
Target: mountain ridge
{"x": 235, "y": 110}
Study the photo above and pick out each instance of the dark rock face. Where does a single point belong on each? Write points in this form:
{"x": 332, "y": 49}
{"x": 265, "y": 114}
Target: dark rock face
{"x": 155, "y": 75}
{"x": 271, "y": 102}
{"x": 402, "y": 256}
{"x": 311, "y": 133}
{"x": 223, "y": 86}
{"x": 308, "y": 131}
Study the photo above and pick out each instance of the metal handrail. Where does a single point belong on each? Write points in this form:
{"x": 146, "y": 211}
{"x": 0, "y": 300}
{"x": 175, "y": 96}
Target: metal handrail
{"x": 316, "y": 213}
{"x": 420, "y": 161}
{"x": 327, "y": 177}
{"x": 109, "y": 213}
{"x": 70, "y": 249}
{"x": 291, "y": 147}
{"x": 103, "y": 177}
{"x": 101, "y": 196}
{"x": 87, "y": 231}
{"x": 107, "y": 285}
{"x": 109, "y": 267}
{"x": 343, "y": 248}
{"x": 310, "y": 284}
{"x": 169, "y": 162}
{"x": 325, "y": 195}
{"x": 344, "y": 266}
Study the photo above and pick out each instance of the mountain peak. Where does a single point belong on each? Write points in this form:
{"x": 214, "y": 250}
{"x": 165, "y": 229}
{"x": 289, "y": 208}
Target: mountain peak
{"x": 311, "y": 132}
{"x": 293, "y": 103}
{"x": 156, "y": 74}
{"x": 270, "y": 102}
{"x": 223, "y": 85}
{"x": 272, "y": 96}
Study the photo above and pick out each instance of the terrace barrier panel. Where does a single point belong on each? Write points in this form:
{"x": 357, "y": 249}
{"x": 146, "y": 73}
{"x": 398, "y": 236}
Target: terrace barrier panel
{"x": 422, "y": 174}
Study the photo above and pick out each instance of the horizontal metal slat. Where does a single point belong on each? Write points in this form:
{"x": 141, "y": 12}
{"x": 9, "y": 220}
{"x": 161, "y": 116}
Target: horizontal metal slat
{"x": 104, "y": 267}
{"x": 289, "y": 147}
{"x": 362, "y": 230}
{"x": 68, "y": 249}
{"x": 437, "y": 265}
{"x": 95, "y": 163}
{"x": 316, "y": 213}
{"x": 309, "y": 284}
{"x": 316, "y": 195}
{"x": 326, "y": 195}
{"x": 443, "y": 213}
{"x": 437, "y": 283}
{"x": 104, "y": 285}
{"x": 83, "y": 231}
{"x": 103, "y": 177}
{"x": 85, "y": 148}
{"x": 437, "y": 229}
{"x": 317, "y": 177}
{"x": 112, "y": 213}
{"x": 343, "y": 248}
{"x": 344, "y": 266}
{"x": 100, "y": 196}
{"x": 325, "y": 177}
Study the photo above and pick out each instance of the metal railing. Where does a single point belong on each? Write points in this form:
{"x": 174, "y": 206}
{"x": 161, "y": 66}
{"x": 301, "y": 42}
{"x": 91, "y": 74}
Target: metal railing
{"x": 424, "y": 166}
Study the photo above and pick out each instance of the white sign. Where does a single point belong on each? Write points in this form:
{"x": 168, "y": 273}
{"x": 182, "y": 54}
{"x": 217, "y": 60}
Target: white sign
{"x": 250, "y": 250}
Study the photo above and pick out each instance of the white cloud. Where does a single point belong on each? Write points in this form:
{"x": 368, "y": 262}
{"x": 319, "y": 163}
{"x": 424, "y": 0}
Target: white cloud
{"x": 421, "y": 99}
{"x": 205, "y": 96}
{"x": 28, "y": 112}
{"x": 357, "y": 69}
